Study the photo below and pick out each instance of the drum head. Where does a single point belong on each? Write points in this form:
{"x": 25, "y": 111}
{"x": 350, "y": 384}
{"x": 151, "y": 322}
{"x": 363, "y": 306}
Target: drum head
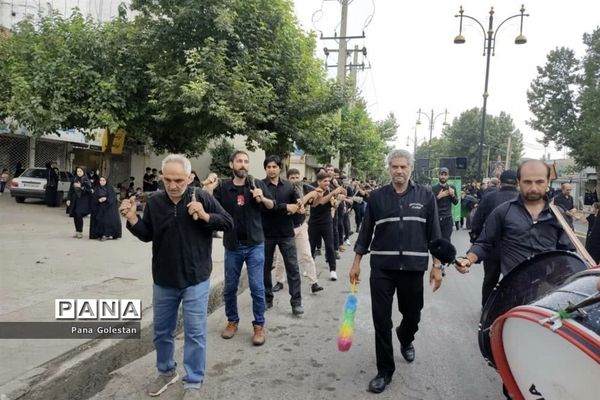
{"x": 529, "y": 281}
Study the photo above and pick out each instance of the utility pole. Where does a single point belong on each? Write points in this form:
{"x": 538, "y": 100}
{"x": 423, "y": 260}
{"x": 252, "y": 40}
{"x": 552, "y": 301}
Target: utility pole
{"x": 507, "y": 163}
{"x": 343, "y": 44}
{"x": 353, "y": 71}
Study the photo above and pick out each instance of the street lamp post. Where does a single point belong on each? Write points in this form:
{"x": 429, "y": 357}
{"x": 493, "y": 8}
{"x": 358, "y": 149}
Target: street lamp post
{"x": 489, "y": 48}
{"x": 431, "y": 119}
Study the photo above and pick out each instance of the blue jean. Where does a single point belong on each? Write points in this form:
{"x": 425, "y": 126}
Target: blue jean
{"x": 254, "y": 256}
{"x": 194, "y": 300}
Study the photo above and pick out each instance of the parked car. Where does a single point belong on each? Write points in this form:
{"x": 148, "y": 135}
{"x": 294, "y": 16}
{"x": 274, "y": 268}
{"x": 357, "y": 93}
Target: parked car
{"x": 31, "y": 184}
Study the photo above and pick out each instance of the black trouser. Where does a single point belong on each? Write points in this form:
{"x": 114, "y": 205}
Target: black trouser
{"x": 359, "y": 213}
{"x": 408, "y": 286}
{"x": 78, "y": 220}
{"x": 446, "y": 227}
{"x": 491, "y": 276}
{"x": 335, "y": 230}
{"x": 325, "y": 231}
{"x": 347, "y": 227}
{"x": 341, "y": 228}
{"x": 287, "y": 246}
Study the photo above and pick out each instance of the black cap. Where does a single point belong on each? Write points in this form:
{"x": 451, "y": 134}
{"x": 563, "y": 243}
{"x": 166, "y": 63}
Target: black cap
{"x": 444, "y": 169}
{"x": 509, "y": 177}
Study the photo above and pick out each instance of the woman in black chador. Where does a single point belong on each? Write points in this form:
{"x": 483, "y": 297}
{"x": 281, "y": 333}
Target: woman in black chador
{"x": 51, "y": 194}
{"x": 105, "y": 222}
{"x": 80, "y": 196}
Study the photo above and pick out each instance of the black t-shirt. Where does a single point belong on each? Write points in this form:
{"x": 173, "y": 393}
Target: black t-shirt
{"x": 239, "y": 214}
{"x": 147, "y": 184}
{"x": 321, "y": 214}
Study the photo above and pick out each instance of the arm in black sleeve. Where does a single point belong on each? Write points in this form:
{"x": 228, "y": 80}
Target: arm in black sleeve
{"x": 219, "y": 220}
{"x": 479, "y": 217}
{"x": 366, "y": 231}
{"x": 491, "y": 234}
{"x": 143, "y": 228}
{"x": 433, "y": 221}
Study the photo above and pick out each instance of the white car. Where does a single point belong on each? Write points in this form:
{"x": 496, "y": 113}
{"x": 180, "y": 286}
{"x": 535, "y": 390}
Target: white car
{"x": 32, "y": 184}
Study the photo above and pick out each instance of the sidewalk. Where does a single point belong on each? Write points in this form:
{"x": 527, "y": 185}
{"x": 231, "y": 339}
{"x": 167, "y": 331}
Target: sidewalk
{"x": 40, "y": 262}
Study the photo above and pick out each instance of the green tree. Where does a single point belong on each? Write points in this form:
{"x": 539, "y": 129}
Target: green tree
{"x": 61, "y": 73}
{"x": 220, "y": 155}
{"x": 362, "y": 142}
{"x": 459, "y": 137}
{"x": 226, "y": 67}
{"x": 565, "y": 101}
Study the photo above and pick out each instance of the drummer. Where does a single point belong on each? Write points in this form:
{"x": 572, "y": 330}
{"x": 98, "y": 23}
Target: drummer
{"x": 524, "y": 226}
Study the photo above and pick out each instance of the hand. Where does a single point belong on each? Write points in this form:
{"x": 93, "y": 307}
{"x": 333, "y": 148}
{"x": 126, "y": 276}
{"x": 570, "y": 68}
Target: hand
{"x": 443, "y": 193}
{"x": 354, "y": 274}
{"x": 435, "y": 278}
{"x": 196, "y": 209}
{"x": 127, "y": 209}
{"x": 292, "y": 208}
{"x": 340, "y": 190}
{"x": 102, "y": 199}
{"x": 462, "y": 265}
{"x": 451, "y": 191}
{"x": 257, "y": 194}
{"x": 68, "y": 203}
{"x": 301, "y": 209}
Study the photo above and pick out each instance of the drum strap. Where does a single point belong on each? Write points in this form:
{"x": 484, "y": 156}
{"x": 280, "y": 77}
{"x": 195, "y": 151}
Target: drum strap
{"x": 578, "y": 245}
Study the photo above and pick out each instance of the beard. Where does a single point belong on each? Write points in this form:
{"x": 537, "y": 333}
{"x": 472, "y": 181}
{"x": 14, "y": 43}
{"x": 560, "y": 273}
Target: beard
{"x": 533, "y": 196}
{"x": 240, "y": 173}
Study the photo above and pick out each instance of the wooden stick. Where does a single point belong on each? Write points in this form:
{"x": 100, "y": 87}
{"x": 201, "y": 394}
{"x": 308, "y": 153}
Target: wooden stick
{"x": 578, "y": 245}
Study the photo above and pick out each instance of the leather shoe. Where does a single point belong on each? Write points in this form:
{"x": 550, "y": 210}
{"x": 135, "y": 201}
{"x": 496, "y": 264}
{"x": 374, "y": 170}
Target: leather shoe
{"x": 269, "y": 304}
{"x": 278, "y": 286}
{"x": 408, "y": 353}
{"x": 297, "y": 310}
{"x": 378, "y": 384}
{"x": 315, "y": 288}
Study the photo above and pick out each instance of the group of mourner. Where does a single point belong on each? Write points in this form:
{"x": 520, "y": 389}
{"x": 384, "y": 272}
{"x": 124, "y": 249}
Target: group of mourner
{"x": 261, "y": 218}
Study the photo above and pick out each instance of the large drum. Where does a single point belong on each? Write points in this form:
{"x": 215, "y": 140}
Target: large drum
{"x": 541, "y": 356}
{"x": 529, "y": 281}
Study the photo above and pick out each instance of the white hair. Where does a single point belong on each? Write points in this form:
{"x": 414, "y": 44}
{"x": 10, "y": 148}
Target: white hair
{"x": 178, "y": 158}
{"x": 398, "y": 153}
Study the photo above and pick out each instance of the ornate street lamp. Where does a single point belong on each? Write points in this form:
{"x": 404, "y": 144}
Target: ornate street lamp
{"x": 489, "y": 48}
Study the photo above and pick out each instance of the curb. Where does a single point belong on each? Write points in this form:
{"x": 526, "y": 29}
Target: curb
{"x": 84, "y": 371}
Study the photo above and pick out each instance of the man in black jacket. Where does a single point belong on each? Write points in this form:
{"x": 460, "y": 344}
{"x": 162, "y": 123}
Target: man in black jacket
{"x": 491, "y": 265}
{"x": 446, "y": 197}
{"x": 523, "y": 227}
{"x": 179, "y": 223}
{"x": 245, "y": 199}
{"x": 405, "y": 214}
{"x": 278, "y": 226}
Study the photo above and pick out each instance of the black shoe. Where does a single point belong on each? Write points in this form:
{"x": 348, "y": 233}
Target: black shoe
{"x": 378, "y": 384}
{"x": 278, "y": 286}
{"x": 317, "y": 252}
{"x": 297, "y": 310}
{"x": 269, "y": 304}
{"x": 315, "y": 288}
{"x": 337, "y": 255}
{"x": 408, "y": 353}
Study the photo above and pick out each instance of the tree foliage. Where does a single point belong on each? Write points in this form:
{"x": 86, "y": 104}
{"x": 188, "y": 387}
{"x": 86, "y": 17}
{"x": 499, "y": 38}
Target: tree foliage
{"x": 565, "y": 101}
{"x": 220, "y": 154}
{"x": 461, "y": 137}
{"x": 227, "y": 67}
{"x": 362, "y": 142}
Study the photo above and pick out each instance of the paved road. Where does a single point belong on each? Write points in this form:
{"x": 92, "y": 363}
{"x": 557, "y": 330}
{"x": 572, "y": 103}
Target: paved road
{"x": 300, "y": 359}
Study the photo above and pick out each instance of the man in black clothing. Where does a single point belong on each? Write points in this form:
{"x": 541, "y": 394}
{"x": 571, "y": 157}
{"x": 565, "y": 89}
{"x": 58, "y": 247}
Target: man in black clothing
{"x": 446, "y": 197}
{"x": 278, "y": 227}
{"x": 245, "y": 199}
{"x": 565, "y": 200}
{"x": 406, "y": 217}
{"x": 179, "y": 223}
{"x": 523, "y": 227}
{"x": 320, "y": 222}
{"x": 148, "y": 180}
{"x": 491, "y": 265}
